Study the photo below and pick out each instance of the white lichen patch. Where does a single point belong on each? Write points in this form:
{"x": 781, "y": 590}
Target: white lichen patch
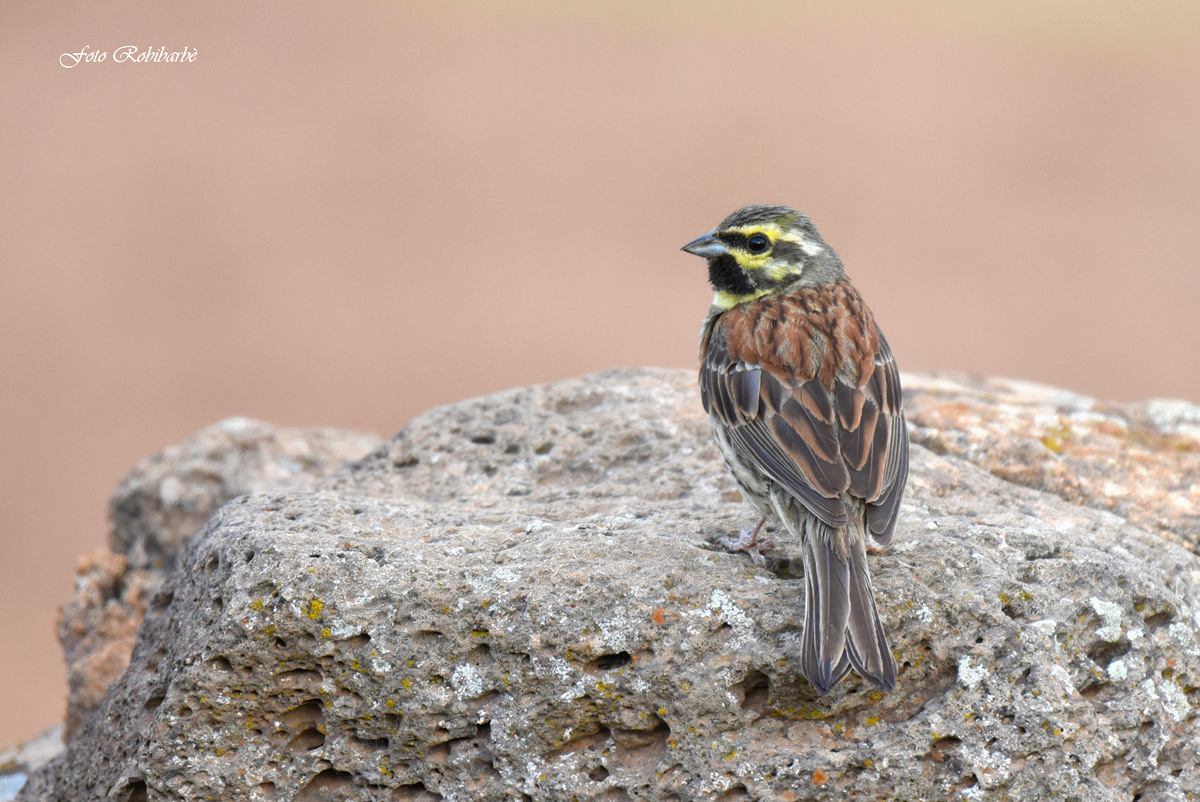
{"x": 1117, "y": 671}
{"x": 1174, "y": 700}
{"x": 991, "y": 768}
{"x": 506, "y": 575}
{"x": 466, "y": 682}
{"x": 339, "y": 629}
{"x": 721, "y": 605}
{"x": 1182, "y": 634}
{"x": 1110, "y": 614}
{"x": 618, "y": 632}
{"x": 968, "y": 674}
{"x": 924, "y": 613}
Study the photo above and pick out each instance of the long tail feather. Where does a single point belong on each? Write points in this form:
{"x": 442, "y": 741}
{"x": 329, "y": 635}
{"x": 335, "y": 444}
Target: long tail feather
{"x": 826, "y": 612}
{"x": 866, "y": 642}
{"x": 841, "y": 623}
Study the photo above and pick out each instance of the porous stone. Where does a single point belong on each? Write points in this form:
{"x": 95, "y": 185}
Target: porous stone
{"x": 170, "y": 496}
{"x": 165, "y": 500}
{"x": 518, "y": 597}
{"x": 1139, "y": 460}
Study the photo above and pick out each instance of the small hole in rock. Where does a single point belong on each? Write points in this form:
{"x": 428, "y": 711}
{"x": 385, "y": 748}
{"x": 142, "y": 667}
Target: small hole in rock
{"x": 306, "y": 741}
{"x": 136, "y": 792}
{"x": 609, "y": 662}
{"x": 1103, "y": 652}
{"x": 1159, "y": 620}
{"x": 755, "y": 689}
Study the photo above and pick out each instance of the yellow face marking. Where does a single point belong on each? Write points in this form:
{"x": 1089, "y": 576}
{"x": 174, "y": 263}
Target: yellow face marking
{"x": 728, "y": 300}
{"x": 755, "y": 261}
{"x": 773, "y": 232}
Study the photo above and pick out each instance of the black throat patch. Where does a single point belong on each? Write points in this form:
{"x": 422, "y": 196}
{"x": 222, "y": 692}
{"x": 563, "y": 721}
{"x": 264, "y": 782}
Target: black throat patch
{"x": 726, "y": 275}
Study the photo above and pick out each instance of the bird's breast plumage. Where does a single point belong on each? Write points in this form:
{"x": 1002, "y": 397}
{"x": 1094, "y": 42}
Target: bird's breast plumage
{"x": 813, "y": 332}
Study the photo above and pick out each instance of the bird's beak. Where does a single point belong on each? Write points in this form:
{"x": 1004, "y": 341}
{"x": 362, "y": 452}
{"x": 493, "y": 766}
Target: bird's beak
{"x": 707, "y": 246}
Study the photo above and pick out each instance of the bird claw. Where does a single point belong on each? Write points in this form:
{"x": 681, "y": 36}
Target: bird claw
{"x": 747, "y": 541}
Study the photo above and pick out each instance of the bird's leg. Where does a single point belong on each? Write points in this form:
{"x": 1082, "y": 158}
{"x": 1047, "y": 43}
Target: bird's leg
{"x": 747, "y": 541}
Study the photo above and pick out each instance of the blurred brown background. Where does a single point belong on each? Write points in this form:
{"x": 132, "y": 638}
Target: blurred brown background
{"x": 345, "y": 213}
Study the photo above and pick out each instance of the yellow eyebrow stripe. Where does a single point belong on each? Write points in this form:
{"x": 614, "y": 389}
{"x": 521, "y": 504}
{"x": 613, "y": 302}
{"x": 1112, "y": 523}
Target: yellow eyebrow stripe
{"x": 773, "y": 232}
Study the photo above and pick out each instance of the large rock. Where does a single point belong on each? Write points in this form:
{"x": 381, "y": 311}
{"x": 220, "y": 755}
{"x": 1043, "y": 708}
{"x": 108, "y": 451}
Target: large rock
{"x": 518, "y": 598}
{"x": 1141, "y": 461}
{"x": 162, "y": 503}
{"x": 169, "y": 497}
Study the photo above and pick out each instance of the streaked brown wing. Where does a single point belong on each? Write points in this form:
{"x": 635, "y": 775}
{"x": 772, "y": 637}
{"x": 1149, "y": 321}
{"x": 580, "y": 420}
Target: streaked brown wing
{"x": 784, "y": 427}
{"x": 815, "y": 443}
{"x": 890, "y": 449}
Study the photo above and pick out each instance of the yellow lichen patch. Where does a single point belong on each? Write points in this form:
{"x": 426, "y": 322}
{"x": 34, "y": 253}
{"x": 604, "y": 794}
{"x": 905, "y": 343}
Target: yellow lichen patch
{"x": 314, "y": 609}
{"x": 325, "y": 633}
{"x": 407, "y": 683}
{"x": 257, "y": 604}
{"x": 391, "y": 702}
{"x": 1056, "y": 437}
{"x": 872, "y": 721}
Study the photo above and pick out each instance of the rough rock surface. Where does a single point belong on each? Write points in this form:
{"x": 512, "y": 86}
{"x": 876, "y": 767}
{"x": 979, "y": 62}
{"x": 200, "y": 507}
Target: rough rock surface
{"x": 518, "y": 598}
{"x": 165, "y": 500}
{"x": 170, "y": 496}
{"x": 1141, "y": 461}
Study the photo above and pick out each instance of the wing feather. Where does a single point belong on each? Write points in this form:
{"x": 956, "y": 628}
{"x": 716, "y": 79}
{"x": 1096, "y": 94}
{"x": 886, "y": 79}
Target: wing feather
{"x": 818, "y": 443}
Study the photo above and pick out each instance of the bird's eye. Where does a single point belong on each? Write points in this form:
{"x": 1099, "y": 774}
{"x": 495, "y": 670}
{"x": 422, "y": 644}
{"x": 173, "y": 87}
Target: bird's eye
{"x": 758, "y": 243}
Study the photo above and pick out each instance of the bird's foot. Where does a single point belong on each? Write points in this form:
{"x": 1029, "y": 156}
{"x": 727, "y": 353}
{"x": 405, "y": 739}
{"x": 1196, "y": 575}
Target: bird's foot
{"x": 747, "y": 541}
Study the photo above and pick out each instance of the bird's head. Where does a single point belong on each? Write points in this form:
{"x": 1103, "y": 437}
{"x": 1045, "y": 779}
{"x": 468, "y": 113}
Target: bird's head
{"x": 763, "y": 250}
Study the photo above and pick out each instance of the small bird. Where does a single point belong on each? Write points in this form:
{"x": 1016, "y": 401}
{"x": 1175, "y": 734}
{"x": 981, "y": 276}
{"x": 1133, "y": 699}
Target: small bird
{"x": 804, "y": 398}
